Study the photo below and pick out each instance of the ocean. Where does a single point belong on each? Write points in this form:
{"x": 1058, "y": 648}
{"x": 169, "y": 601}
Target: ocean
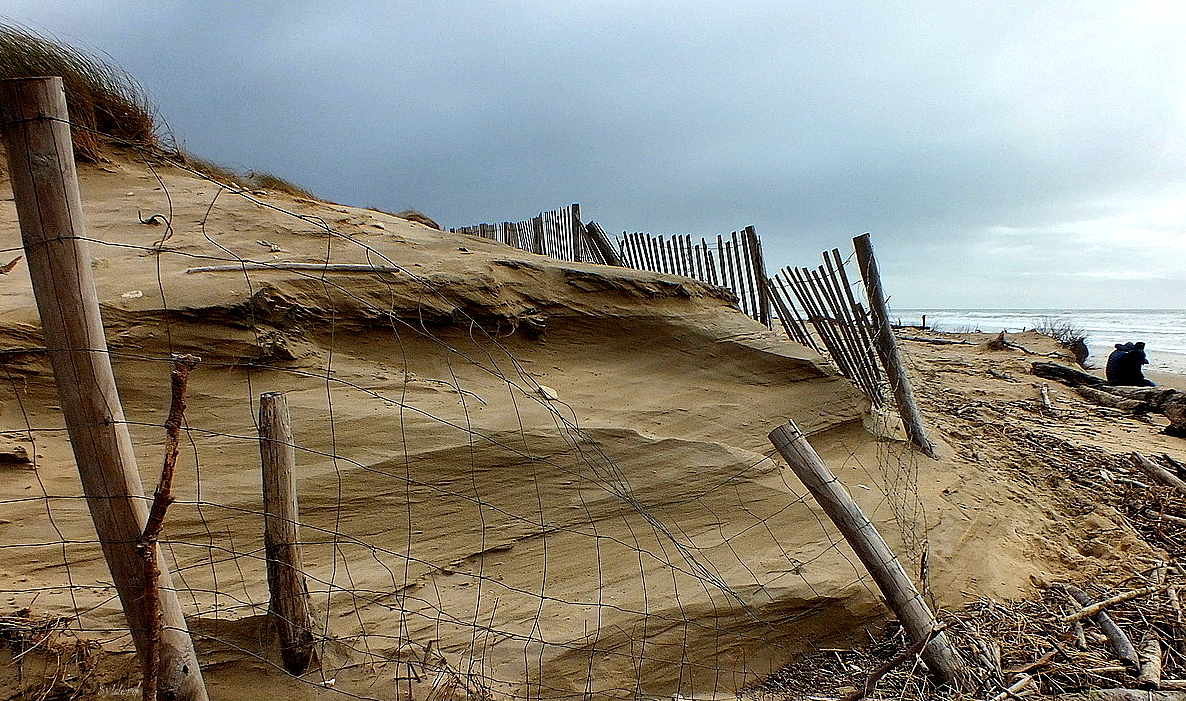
{"x": 1162, "y": 330}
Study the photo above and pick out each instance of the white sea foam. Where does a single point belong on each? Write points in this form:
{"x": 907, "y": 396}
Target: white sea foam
{"x": 1162, "y": 330}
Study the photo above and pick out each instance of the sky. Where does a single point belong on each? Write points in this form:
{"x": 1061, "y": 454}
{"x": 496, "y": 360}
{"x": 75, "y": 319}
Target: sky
{"x": 1016, "y": 154}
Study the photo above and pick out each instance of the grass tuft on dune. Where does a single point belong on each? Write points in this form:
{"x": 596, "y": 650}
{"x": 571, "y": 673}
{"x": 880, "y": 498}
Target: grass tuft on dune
{"x": 101, "y": 98}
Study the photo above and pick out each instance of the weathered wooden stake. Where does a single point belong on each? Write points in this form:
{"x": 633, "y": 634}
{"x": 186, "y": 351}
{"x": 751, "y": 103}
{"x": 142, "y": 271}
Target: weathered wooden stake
{"x": 36, "y": 136}
{"x": 887, "y": 348}
{"x": 289, "y": 611}
{"x": 900, "y": 595}
{"x": 759, "y": 267}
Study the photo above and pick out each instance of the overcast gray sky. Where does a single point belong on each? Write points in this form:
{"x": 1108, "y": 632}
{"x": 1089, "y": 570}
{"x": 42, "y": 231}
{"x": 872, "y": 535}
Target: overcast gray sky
{"x": 1003, "y": 154}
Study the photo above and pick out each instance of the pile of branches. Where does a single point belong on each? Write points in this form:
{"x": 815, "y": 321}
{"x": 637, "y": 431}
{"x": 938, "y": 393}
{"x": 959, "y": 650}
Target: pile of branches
{"x": 1132, "y": 639}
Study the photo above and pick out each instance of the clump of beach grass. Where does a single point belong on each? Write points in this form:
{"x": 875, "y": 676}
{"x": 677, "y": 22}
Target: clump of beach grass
{"x": 1067, "y": 334}
{"x": 101, "y": 98}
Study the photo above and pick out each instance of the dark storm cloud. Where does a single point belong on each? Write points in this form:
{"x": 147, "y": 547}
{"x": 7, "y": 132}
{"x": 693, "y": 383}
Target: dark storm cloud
{"x": 983, "y": 144}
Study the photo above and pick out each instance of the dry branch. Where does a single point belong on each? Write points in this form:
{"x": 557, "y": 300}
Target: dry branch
{"x": 312, "y": 267}
{"x": 1089, "y": 611}
{"x": 161, "y": 499}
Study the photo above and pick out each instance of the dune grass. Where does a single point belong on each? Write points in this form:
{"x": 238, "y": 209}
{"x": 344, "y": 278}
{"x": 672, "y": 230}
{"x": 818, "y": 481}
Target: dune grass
{"x": 1067, "y": 334}
{"x": 101, "y": 98}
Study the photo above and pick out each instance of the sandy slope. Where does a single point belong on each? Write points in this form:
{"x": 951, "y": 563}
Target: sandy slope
{"x": 632, "y": 536}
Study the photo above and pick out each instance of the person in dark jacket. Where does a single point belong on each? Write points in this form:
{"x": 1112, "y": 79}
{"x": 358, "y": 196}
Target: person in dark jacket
{"x": 1115, "y": 362}
{"x": 1127, "y": 367}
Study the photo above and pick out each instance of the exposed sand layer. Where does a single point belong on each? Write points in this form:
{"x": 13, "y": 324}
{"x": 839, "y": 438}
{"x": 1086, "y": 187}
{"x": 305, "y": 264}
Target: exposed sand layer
{"x": 629, "y": 536}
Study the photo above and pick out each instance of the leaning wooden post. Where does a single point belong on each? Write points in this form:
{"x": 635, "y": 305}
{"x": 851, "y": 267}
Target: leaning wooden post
{"x": 758, "y": 262}
{"x": 36, "y": 135}
{"x": 289, "y": 611}
{"x": 900, "y": 595}
{"x": 887, "y": 348}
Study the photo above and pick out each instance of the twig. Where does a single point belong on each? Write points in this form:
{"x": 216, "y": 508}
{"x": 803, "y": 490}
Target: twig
{"x": 876, "y": 675}
{"x": 1043, "y": 660}
{"x": 1095, "y": 608}
{"x": 315, "y": 267}
{"x": 161, "y": 499}
{"x": 1017, "y": 686}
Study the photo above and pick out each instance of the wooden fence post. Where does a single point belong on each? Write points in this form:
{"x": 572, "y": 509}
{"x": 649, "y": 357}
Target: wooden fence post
{"x": 900, "y": 595}
{"x": 36, "y": 136}
{"x": 289, "y": 611}
{"x": 887, "y": 348}
{"x": 759, "y": 265}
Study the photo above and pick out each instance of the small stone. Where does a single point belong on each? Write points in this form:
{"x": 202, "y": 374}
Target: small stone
{"x": 548, "y": 393}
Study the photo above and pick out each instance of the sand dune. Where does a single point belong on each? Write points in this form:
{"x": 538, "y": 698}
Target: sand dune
{"x": 631, "y": 536}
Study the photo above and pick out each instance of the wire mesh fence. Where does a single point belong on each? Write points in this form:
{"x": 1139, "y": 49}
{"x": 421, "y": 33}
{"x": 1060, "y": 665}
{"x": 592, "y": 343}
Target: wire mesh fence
{"x": 580, "y": 506}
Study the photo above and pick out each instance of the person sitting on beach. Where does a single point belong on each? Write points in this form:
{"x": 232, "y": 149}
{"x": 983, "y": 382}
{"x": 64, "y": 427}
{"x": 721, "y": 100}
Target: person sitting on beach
{"x": 1115, "y": 362}
{"x": 1128, "y": 367}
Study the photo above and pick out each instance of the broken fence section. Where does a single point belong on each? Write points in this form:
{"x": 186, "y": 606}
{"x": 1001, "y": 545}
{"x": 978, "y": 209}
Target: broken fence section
{"x": 842, "y": 325}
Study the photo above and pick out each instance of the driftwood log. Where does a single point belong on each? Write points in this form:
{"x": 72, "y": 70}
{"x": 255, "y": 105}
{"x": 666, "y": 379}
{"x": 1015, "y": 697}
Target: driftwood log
{"x": 1150, "y": 676}
{"x": 1064, "y": 374}
{"x": 1104, "y": 397}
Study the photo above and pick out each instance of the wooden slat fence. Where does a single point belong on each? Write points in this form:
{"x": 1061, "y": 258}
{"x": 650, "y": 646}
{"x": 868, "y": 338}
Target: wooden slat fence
{"x": 841, "y": 324}
{"x": 558, "y": 233}
{"x": 734, "y": 262}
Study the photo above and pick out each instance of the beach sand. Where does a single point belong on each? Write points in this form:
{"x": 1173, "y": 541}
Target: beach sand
{"x": 1165, "y": 379}
{"x": 623, "y": 531}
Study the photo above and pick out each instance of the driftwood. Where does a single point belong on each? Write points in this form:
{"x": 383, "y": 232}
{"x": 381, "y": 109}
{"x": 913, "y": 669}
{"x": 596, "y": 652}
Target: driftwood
{"x": 1157, "y": 473}
{"x": 1064, "y": 374}
{"x": 1150, "y": 676}
{"x": 1002, "y": 343}
{"x": 933, "y": 341}
{"x": 1175, "y": 411}
{"x": 1017, "y": 686}
{"x": 311, "y": 267}
{"x": 1105, "y": 397}
{"x": 1120, "y": 643}
{"x": 1169, "y": 402}
{"x": 1156, "y": 397}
